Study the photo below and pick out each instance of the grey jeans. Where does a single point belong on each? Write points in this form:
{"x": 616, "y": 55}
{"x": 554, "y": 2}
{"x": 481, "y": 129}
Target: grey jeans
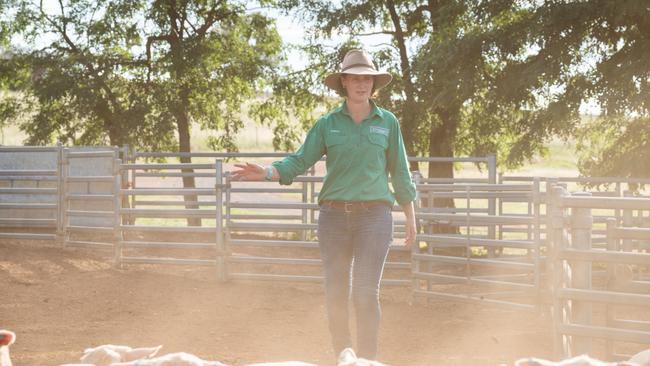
{"x": 353, "y": 248}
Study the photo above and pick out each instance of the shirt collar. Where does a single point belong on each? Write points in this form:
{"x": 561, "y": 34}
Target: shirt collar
{"x": 374, "y": 109}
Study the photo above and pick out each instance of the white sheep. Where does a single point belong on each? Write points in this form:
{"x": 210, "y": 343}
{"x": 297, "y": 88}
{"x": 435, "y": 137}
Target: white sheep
{"x": 172, "y": 359}
{"x": 349, "y": 358}
{"x": 346, "y": 358}
{"x": 112, "y": 355}
{"x": 640, "y": 359}
{"x": 7, "y": 338}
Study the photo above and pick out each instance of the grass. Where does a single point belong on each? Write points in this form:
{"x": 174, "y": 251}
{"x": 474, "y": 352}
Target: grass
{"x": 561, "y": 160}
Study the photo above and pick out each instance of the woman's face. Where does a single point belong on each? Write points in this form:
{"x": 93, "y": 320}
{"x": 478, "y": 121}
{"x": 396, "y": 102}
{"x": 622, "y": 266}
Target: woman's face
{"x": 358, "y": 88}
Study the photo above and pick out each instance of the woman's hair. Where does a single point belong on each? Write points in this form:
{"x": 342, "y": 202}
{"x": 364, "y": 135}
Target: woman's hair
{"x": 343, "y": 93}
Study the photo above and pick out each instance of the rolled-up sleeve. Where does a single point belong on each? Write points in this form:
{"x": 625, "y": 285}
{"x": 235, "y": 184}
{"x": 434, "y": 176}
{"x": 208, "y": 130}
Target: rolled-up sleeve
{"x": 398, "y": 167}
{"x": 309, "y": 153}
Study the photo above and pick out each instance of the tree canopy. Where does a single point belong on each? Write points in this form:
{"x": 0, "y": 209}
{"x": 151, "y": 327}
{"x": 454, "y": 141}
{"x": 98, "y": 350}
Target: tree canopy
{"x": 506, "y": 76}
{"x": 138, "y": 72}
{"x": 471, "y": 77}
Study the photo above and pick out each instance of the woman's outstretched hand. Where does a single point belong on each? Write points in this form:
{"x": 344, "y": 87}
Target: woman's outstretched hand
{"x": 248, "y": 172}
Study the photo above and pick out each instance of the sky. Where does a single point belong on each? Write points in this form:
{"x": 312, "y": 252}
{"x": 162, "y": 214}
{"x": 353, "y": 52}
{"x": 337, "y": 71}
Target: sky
{"x": 292, "y": 32}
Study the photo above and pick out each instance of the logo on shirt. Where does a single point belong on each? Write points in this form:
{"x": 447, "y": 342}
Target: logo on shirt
{"x": 335, "y": 131}
{"x": 379, "y": 130}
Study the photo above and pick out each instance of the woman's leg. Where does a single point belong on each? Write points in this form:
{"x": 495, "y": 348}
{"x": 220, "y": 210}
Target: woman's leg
{"x": 336, "y": 252}
{"x": 372, "y": 235}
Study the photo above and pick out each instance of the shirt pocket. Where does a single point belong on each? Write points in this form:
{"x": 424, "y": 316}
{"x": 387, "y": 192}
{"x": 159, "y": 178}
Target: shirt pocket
{"x": 378, "y": 140}
{"x": 335, "y": 143}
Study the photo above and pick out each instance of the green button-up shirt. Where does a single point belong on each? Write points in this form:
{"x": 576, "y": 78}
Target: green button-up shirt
{"x": 359, "y": 157}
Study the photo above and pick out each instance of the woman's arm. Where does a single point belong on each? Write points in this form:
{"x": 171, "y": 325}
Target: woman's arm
{"x": 411, "y": 232}
{"x": 286, "y": 169}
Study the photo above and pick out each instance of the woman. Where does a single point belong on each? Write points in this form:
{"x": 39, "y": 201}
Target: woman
{"x": 363, "y": 144}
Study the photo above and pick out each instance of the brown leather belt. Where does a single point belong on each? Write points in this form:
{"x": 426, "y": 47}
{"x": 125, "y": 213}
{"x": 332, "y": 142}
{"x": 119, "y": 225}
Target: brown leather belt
{"x": 352, "y": 206}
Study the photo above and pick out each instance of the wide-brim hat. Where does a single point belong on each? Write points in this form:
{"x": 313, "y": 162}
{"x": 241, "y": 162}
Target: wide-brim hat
{"x": 357, "y": 62}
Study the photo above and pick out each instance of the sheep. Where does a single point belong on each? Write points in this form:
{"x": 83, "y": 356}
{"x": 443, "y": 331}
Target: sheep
{"x": 349, "y": 358}
{"x": 109, "y": 354}
{"x": 172, "y": 359}
{"x": 7, "y": 338}
{"x": 584, "y": 360}
{"x": 642, "y": 358}
{"x": 112, "y": 355}
{"x": 346, "y": 358}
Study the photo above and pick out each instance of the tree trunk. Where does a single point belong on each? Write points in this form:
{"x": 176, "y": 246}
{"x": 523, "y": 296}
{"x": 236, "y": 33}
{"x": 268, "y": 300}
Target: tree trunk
{"x": 184, "y": 144}
{"x": 408, "y": 113}
{"x": 111, "y": 121}
{"x": 441, "y": 142}
{"x": 182, "y": 115}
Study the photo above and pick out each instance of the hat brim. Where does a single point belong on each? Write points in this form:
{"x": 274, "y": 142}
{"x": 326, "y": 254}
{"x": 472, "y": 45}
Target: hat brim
{"x": 333, "y": 81}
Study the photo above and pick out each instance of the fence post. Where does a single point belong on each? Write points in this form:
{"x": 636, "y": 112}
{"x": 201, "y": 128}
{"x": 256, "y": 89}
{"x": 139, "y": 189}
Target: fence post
{"x": 581, "y": 225}
{"x": 304, "y": 211}
{"x": 555, "y": 241}
{"x": 117, "y": 214}
{"x": 628, "y": 221}
{"x": 65, "y": 170}
{"x": 537, "y": 237}
{"x": 312, "y": 195}
{"x": 60, "y": 193}
{"x": 492, "y": 178}
{"x": 415, "y": 248}
{"x": 610, "y": 310}
{"x": 416, "y": 176}
{"x": 222, "y": 272}
{"x": 619, "y": 193}
{"x": 124, "y": 179}
{"x": 228, "y": 221}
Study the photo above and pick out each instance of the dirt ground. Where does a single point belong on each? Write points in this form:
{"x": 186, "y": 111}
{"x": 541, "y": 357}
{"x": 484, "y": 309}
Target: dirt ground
{"x": 62, "y": 301}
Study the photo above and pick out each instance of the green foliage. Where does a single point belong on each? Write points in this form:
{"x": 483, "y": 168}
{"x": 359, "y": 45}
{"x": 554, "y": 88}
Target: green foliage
{"x": 136, "y": 72}
{"x": 213, "y": 57}
{"x": 298, "y": 95}
{"x": 447, "y": 59}
{"x": 82, "y": 86}
{"x": 616, "y": 148}
{"x": 594, "y": 51}
{"x": 506, "y": 76}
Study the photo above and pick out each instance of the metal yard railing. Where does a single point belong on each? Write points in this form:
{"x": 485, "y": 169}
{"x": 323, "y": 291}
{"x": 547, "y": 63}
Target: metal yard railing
{"x": 608, "y": 187}
{"x": 460, "y": 257}
{"x": 159, "y": 228}
{"x": 29, "y": 193}
{"x": 600, "y": 294}
{"x": 89, "y": 197}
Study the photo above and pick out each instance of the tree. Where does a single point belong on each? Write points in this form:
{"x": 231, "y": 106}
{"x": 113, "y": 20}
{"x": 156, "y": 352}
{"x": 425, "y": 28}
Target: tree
{"x": 448, "y": 58}
{"x": 586, "y": 52}
{"x": 112, "y": 65}
{"x": 213, "y": 56}
{"x": 613, "y": 36}
{"x": 209, "y": 57}
{"x": 77, "y": 79}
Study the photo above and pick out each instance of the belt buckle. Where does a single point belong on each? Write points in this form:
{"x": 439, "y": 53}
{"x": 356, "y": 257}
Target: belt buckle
{"x": 346, "y": 205}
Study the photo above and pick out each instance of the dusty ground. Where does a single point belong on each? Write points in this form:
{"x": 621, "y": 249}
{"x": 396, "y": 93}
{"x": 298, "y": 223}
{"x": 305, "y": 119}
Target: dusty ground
{"x": 61, "y": 301}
